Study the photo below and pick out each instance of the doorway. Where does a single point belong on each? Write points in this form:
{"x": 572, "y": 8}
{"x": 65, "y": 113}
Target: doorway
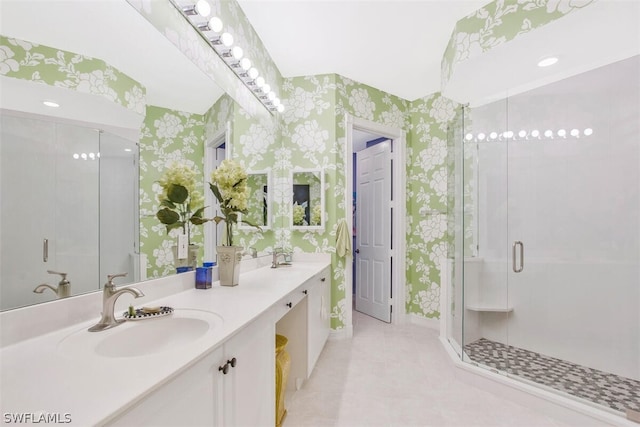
{"x": 216, "y": 150}
{"x": 397, "y": 213}
{"x": 372, "y": 226}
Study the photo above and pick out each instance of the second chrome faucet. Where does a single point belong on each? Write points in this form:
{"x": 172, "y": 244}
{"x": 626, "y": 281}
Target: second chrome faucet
{"x": 109, "y": 296}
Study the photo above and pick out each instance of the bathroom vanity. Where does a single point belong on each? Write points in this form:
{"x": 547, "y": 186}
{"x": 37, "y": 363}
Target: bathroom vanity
{"x": 211, "y": 362}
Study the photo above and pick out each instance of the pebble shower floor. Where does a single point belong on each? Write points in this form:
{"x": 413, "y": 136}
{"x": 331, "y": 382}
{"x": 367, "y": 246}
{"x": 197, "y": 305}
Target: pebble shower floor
{"x": 610, "y": 390}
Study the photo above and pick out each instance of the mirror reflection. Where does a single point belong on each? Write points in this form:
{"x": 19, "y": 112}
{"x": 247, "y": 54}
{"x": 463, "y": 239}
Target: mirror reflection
{"x": 68, "y": 195}
{"x": 308, "y": 199}
{"x": 259, "y": 204}
{"x": 71, "y": 194}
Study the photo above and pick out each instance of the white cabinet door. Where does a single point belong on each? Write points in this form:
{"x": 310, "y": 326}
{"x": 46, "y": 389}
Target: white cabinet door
{"x": 319, "y": 320}
{"x": 249, "y": 387}
{"x": 204, "y": 395}
{"x": 191, "y": 399}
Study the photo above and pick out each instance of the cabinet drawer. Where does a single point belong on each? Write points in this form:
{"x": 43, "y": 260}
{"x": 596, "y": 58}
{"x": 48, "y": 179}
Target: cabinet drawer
{"x": 287, "y": 303}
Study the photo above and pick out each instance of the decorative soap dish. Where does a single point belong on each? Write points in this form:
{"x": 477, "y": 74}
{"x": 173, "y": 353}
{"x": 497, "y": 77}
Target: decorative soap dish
{"x": 148, "y": 312}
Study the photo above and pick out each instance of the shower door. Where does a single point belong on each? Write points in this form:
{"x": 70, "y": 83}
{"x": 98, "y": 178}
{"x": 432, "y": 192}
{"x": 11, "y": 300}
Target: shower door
{"x": 552, "y": 197}
{"x": 573, "y": 202}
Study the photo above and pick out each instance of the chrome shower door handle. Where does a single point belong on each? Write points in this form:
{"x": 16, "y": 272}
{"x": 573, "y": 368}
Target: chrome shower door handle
{"x": 513, "y": 256}
{"x": 45, "y": 250}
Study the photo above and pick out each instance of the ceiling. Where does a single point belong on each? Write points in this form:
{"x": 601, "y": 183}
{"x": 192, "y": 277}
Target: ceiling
{"x": 392, "y": 45}
{"x": 95, "y": 28}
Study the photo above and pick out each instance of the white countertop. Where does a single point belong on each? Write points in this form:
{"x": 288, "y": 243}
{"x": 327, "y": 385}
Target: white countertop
{"x": 36, "y": 377}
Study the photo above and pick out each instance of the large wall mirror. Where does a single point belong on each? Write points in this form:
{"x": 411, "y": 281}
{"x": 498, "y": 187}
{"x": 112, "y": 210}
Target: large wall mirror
{"x": 69, "y": 175}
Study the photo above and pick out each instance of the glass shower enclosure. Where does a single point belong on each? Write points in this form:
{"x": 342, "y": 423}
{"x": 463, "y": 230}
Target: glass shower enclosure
{"x": 545, "y": 257}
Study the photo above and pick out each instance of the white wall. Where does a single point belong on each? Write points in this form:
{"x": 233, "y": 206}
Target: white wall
{"x": 575, "y": 203}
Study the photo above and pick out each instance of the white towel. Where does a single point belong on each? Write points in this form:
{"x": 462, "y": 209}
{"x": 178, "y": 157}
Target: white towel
{"x": 343, "y": 239}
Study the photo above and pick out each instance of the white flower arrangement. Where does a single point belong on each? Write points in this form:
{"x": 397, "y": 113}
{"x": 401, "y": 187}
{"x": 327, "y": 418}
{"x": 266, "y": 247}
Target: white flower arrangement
{"x": 316, "y": 215}
{"x": 229, "y": 186}
{"x": 298, "y": 214}
{"x": 180, "y": 203}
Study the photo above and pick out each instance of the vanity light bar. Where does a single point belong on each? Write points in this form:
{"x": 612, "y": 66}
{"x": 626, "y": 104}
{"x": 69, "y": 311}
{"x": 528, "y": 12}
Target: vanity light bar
{"x": 524, "y": 135}
{"x": 222, "y": 44}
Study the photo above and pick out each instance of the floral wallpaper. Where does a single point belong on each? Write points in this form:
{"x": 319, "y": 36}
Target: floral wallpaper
{"x": 314, "y": 136}
{"x": 499, "y": 22}
{"x": 427, "y": 195}
{"x": 55, "y": 67}
{"x": 167, "y": 136}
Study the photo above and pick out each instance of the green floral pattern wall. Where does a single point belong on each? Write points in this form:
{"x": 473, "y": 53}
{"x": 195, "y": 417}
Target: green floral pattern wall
{"x": 499, "y": 22}
{"x": 55, "y": 67}
{"x": 314, "y": 136}
{"x": 167, "y": 136}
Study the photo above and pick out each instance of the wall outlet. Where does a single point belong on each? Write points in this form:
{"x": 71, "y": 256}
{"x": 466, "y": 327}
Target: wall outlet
{"x": 183, "y": 246}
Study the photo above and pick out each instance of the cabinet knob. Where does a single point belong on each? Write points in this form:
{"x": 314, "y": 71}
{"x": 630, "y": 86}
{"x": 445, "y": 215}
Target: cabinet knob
{"x": 224, "y": 368}
{"x": 323, "y": 279}
{"x": 232, "y": 362}
{"x": 289, "y": 305}
{"x": 304, "y": 292}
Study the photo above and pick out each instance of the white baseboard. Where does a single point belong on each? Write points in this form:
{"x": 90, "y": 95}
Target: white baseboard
{"x": 424, "y": 321}
{"x": 340, "y": 334}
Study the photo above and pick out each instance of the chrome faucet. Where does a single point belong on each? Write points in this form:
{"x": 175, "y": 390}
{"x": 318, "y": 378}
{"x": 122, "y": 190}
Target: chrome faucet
{"x": 63, "y": 290}
{"x": 277, "y": 253}
{"x": 251, "y": 251}
{"x": 109, "y": 297}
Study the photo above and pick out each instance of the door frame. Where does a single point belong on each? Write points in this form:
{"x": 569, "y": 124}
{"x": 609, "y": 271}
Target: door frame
{"x": 222, "y": 135}
{"x": 398, "y": 176}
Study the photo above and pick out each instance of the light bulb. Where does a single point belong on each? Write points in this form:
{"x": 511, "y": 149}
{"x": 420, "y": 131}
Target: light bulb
{"x": 253, "y": 73}
{"x": 575, "y": 133}
{"x": 588, "y": 131}
{"x": 51, "y": 104}
{"x": 237, "y": 53}
{"x": 493, "y": 135}
{"x": 76, "y": 156}
{"x": 128, "y": 150}
{"x": 548, "y": 133}
{"x": 84, "y": 156}
{"x": 215, "y": 24}
{"x": 545, "y": 62}
{"x": 226, "y": 39}
{"x": 535, "y": 133}
{"x": 276, "y": 102}
{"x": 266, "y": 89}
{"x": 280, "y": 108}
{"x": 507, "y": 134}
{"x": 562, "y": 133}
{"x": 92, "y": 156}
{"x": 203, "y": 8}
{"x": 245, "y": 63}
{"x": 522, "y": 133}
{"x": 271, "y": 96}
{"x": 260, "y": 81}
{"x": 469, "y": 137}
{"x": 481, "y": 136}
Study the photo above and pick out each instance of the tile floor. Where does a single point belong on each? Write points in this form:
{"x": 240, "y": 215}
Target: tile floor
{"x": 616, "y": 392}
{"x": 397, "y": 375}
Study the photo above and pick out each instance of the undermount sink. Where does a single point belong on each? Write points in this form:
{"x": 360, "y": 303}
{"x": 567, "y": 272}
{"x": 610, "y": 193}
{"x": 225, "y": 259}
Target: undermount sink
{"x": 143, "y": 337}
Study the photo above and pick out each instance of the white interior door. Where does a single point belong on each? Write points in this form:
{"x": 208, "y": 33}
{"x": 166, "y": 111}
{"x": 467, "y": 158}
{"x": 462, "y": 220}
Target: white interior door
{"x": 373, "y": 236}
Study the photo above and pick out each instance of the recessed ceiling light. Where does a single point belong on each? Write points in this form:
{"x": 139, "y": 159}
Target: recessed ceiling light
{"x": 51, "y": 104}
{"x": 545, "y": 62}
